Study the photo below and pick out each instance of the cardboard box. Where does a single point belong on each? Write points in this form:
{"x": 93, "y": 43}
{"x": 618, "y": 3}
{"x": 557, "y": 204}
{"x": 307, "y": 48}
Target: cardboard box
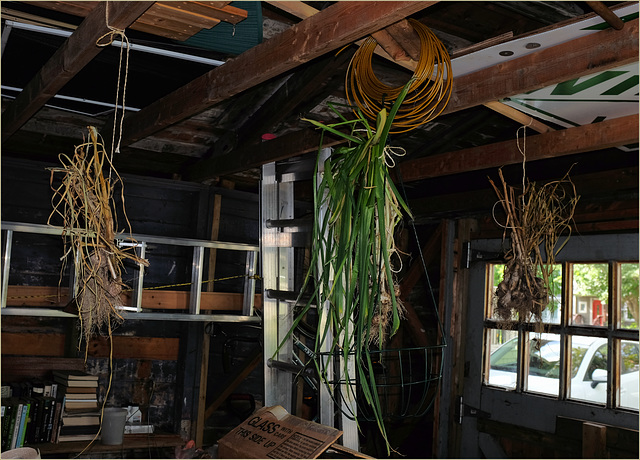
{"x": 271, "y": 432}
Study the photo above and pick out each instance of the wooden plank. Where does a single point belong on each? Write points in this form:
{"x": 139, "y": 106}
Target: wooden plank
{"x": 128, "y": 347}
{"x": 221, "y": 11}
{"x": 586, "y": 55}
{"x": 202, "y": 390}
{"x": 301, "y": 43}
{"x": 562, "y": 446}
{"x": 594, "y": 440}
{"x": 44, "y": 296}
{"x": 76, "y": 52}
{"x": 609, "y": 133}
{"x": 37, "y": 296}
{"x": 130, "y": 441}
{"x": 215, "y": 228}
{"x": 180, "y": 13}
{"x": 14, "y": 343}
{"x": 407, "y": 37}
{"x": 621, "y": 438}
{"x": 16, "y": 368}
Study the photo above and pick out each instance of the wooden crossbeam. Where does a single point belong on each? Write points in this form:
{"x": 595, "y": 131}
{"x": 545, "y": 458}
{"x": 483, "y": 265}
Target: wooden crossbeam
{"x": 609, "y": 133}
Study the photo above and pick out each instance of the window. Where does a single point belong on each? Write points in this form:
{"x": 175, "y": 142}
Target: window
{"x": 585, "y": 343}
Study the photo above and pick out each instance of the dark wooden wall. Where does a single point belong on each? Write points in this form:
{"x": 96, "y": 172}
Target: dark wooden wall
{"x": 155, "y": 363}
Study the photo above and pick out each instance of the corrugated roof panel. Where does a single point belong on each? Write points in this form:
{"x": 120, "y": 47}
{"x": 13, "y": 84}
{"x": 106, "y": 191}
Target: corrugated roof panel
{"x": 229, "y": 38}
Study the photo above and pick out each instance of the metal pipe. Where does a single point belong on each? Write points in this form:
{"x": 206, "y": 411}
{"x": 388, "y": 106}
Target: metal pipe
{"x": 5, "y": 267}
{"x": 5, "y": 35}
{"x": 132, "y": 46}
{"x": 76, "y": 99}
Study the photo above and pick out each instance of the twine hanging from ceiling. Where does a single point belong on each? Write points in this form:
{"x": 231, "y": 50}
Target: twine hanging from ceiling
{"x": 428, "y": 94}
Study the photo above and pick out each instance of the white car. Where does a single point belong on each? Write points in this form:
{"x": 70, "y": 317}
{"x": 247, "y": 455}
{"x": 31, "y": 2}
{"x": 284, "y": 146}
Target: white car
{"x": 588, "y": 368}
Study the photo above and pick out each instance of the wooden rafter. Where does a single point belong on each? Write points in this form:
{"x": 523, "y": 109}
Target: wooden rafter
{"x": 76, "y": 52}
{"x": 301, "y": 43}
{"x": 609, "y": 133}
{"x": 302, "y": 88}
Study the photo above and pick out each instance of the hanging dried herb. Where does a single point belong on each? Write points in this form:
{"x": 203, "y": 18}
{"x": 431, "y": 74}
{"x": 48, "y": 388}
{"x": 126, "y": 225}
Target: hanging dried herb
{"x": 536, "y": 217}
{"x": 85, "y": 202}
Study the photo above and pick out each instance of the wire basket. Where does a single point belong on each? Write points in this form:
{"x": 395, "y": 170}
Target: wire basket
{"x": 406, "y": 380}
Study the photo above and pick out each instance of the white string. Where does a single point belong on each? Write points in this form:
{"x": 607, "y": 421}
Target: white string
{"x": 389, "y": 152}
{"x": 523, "y": 150}
{"x": 113, "y": 33}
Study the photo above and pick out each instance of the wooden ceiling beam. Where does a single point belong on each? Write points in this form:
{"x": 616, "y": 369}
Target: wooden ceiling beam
{"x": 254, "y": 156}
{"x": 301, "y": 43}
{"x": 76, "y": 52}
{"x": 606, "y": 134}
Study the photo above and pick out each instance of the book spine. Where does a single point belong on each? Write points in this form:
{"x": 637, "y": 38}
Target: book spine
{"x": 57, "y": 423}
{"x": 50, "y": 419}
{"x": 10, "y": 425}
{"x": 46, "y": 403}
{"x": 37, "y": 420}
{"x": 16, "y": 427}
{"x": 32, "y": 421}
{"x": 23, "y": 424}
{"x": 6, "y": 417}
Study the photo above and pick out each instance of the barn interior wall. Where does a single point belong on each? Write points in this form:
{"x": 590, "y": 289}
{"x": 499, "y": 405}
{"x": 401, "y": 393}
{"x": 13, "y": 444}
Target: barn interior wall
{"x": 152, "y": 363}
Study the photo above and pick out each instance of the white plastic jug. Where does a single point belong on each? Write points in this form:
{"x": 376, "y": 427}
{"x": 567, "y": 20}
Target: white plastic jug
{"x": 113, "y": 422}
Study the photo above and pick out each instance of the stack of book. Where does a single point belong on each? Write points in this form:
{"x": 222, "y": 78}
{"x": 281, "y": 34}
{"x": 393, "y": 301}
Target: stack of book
{"x": 79, "y": 418}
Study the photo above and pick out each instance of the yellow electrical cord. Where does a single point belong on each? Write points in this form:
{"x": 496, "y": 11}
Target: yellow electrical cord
{"x": 428, "y": 95}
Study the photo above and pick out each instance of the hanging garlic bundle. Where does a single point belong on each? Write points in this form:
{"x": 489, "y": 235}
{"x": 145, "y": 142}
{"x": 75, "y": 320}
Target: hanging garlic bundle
{"x": 85, "y": 202}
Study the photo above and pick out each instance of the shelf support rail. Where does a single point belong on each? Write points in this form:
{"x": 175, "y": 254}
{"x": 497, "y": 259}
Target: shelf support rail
{"x": 141, "y": 243}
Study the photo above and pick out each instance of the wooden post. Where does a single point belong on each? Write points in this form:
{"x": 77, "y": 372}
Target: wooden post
{"x": 206, "y": 339}
{"x": 594, "y": 440}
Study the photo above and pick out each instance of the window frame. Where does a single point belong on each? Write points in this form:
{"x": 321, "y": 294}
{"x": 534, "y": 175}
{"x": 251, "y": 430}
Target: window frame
{"x": 612, "y": 332}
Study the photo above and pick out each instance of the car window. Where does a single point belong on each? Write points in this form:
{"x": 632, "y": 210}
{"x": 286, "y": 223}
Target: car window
{"x": 505, "y": 358}
{"x": 577, "y": 355}
{"x": 599, "y": 361}
{"x": 544, "y": 358}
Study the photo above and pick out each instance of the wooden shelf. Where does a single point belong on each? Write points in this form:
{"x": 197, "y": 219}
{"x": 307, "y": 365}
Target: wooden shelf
{"x": 131, "y": 441}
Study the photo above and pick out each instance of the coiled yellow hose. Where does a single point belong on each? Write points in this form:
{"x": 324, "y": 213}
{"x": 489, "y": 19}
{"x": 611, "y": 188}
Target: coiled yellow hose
{"x": 428, "y": 95}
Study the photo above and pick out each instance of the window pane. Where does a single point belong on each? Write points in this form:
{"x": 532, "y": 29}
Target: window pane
{"x": 551, "y": 314}
{"x": 503, "y": 362}
{"x": 496, "y": 275}
{"x": 629, "y": 296}
{"x": 629, "y": 375}
{"x": 590, "y": 294}
{"x": 544, "y": 364}
{"x": 589, "y": 369}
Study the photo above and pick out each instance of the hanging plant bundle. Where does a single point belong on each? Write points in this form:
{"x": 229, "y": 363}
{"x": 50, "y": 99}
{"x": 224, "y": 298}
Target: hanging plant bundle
{"x": 536, "y": 217}
{"x": 85, "y": 202}
{"x": 357, "y": 209}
